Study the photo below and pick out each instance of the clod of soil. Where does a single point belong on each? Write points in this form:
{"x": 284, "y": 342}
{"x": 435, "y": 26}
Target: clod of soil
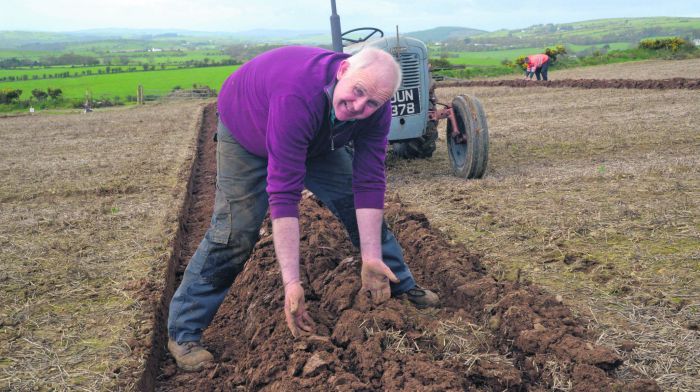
{"x": 488, "y": 334}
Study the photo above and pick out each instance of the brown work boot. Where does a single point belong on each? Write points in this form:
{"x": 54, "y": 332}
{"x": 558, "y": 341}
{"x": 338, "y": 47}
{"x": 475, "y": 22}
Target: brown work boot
{"x": 190, "y": 356}
{"x": 423, "y": 298}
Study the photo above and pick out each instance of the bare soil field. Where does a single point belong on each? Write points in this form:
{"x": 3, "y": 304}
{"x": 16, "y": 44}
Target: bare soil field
{"x": 572, "y": 266}
{"x": 638, "y": 70}
{"x": 647, "y": 84}
{"x": 647, "y": 75}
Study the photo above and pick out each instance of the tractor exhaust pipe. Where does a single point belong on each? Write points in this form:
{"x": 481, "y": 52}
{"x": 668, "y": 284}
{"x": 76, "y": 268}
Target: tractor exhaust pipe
{"x": 335, "y": 29}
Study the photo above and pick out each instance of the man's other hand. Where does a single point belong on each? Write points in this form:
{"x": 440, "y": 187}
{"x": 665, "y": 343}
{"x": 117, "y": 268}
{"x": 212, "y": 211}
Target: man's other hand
{"x": 298, "y": 319}
{"x": 375, "y": 279}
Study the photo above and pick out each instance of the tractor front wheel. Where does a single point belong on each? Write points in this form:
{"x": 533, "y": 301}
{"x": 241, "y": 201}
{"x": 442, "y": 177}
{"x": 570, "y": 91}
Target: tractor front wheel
{"x": 469, "y": 147}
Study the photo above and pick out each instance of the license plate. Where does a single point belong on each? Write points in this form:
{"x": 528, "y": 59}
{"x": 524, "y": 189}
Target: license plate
{"x": 405, "y": 102}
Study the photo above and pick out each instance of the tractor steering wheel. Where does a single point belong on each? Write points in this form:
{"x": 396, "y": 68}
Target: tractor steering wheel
{"x": 371, "y": 31}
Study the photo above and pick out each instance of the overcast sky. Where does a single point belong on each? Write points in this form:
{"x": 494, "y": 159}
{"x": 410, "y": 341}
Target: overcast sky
{"x": 241, "y": 15}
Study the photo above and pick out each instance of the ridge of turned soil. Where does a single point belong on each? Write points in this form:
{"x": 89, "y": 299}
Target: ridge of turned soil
{"x": 649, "y": 84}
{"x": 488, "y": 334}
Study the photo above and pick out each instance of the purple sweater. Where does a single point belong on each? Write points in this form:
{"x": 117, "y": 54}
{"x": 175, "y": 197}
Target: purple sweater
{"x": 277, "y": 106}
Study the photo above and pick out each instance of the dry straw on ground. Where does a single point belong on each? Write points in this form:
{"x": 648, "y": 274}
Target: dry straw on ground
{"x": 88, "y": 212}
{"x": 594, "y": 195}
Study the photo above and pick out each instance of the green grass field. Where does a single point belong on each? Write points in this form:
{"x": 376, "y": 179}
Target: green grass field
{"x": 488, "y": 58}
{"x": 124, "y": 84}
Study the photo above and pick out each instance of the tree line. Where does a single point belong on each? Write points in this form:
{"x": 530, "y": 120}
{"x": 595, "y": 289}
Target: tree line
{"x": 48, "y": 61}
{"x": 88, "y": 61}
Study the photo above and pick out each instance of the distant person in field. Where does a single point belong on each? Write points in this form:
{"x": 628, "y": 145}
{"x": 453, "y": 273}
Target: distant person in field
{"x": 286, "y": 118}
{"x": 86, "y": 107}
{"x": 537, "y": 65}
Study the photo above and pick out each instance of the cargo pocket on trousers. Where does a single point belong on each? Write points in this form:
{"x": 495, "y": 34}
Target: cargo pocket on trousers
{"x": 221, "y": 227}
{"x": 220, "y": 267}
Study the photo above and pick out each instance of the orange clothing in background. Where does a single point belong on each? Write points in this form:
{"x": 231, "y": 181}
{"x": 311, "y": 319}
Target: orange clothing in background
{"x": 535, "y": 61}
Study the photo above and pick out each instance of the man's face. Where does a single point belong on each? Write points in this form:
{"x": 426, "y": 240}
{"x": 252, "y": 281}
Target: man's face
{"x": 359, "y": 93}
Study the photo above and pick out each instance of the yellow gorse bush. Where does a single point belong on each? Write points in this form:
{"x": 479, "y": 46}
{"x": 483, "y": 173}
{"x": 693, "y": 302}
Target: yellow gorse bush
{"x": 672, "y": 44}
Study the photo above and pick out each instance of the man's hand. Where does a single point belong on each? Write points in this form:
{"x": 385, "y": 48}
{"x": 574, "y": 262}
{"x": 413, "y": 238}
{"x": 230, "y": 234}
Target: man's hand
{"x": 375, "y": 279}
{"x": 298, "y": 319}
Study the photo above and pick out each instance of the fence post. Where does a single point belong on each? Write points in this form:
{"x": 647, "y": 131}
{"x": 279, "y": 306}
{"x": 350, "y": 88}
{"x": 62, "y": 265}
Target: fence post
{"x": 139, "y": 95}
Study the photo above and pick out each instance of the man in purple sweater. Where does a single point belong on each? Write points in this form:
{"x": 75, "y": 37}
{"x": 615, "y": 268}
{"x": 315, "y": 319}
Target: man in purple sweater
{"x": 285, "y": 119}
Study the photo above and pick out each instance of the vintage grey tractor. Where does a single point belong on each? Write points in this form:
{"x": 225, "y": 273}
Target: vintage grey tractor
{"x": 416, "y": 111}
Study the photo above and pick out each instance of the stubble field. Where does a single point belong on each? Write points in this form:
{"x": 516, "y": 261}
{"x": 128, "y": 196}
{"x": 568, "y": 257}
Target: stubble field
{"x": 591, "y": 194}
{"x": 89, "y": 211}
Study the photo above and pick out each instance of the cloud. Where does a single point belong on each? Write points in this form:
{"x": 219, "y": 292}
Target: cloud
{"x": 238, "y": 15}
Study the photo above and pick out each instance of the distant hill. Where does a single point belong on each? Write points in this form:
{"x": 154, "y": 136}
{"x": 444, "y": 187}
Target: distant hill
{"x": 592, "y": 32}
{"x": 17, "y": 39}
{"x": 439, "y": 34}
{"x": 37, "y": 40}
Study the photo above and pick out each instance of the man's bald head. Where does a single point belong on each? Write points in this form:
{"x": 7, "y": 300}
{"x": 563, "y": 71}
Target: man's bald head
{"x": 366, "y": 81}
{"x": 379, "y": 61}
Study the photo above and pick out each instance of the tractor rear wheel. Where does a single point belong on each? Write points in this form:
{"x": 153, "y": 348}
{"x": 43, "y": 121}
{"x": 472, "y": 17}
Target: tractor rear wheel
{"x": 420, "y": 147}
{"x": 469, "y": 150}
